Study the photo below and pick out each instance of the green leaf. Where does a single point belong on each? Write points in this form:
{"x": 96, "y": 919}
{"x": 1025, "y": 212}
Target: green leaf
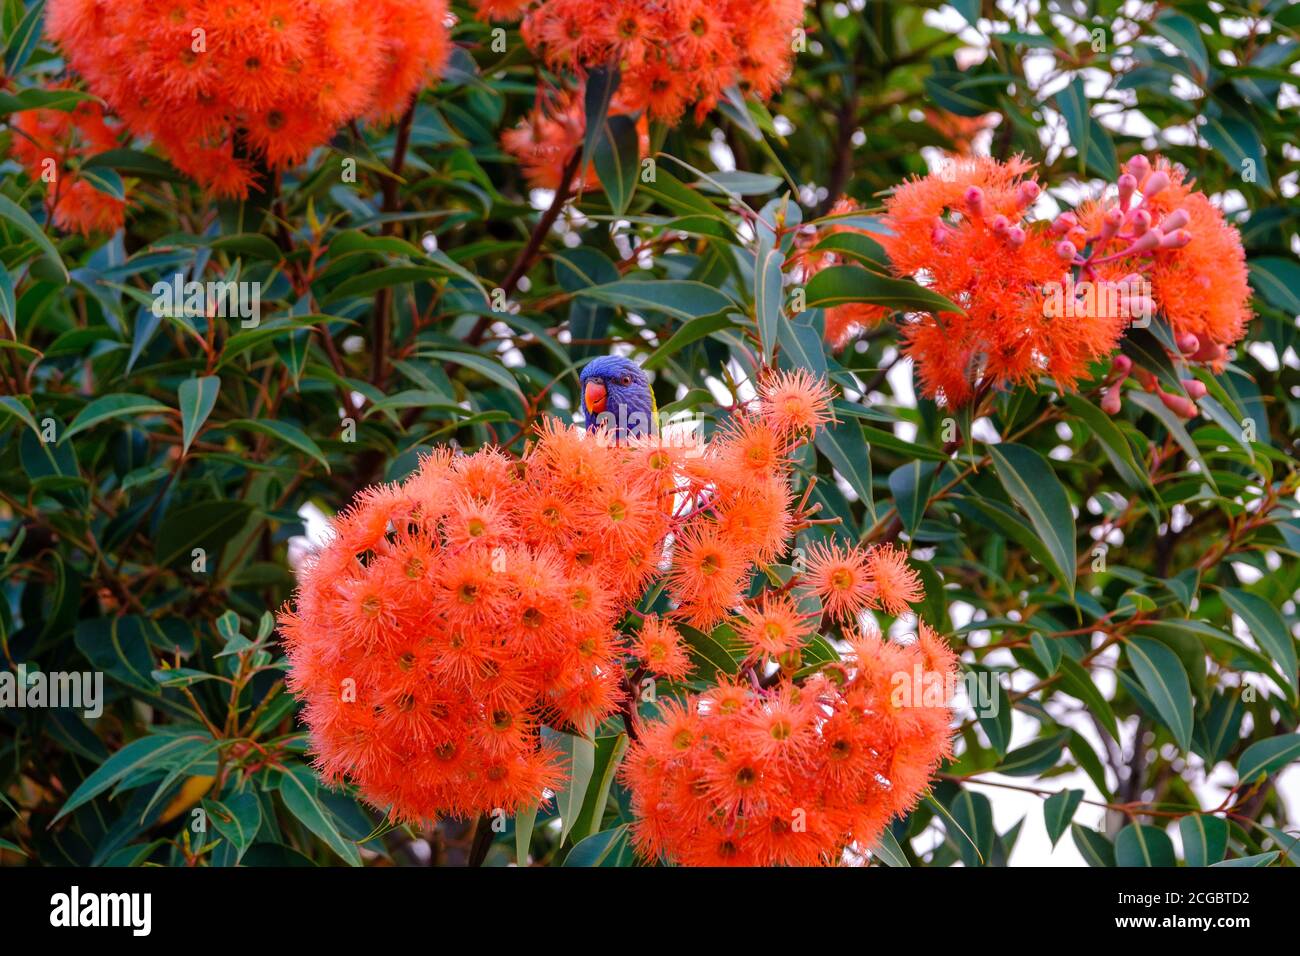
{"x": 849, "y": 454}
{"x": 24, "y": 39}
{"x": 370, "y": 282}
{"x": 1034, "y": 758}
{"x": 1141, "y": 845}
{"x": 1076, "y": 681}
{"x": 37, "y": 98}
{"x": 254, "y": 245}
{"x": 1267, "y": 756}
{"x": 301, "y": 795}
{"x": 28, "y": 227}
{"x": 1095, "y": 849}
{"x": 1181, "y": 30}
{"x": 581, "y": 754}
{"x": 197, "y": 396}
{"x": 844, "y": 285}
{"x": 708, "y": 655}
{"x": 888, "y": 850}
{"x": 739, "y": 183}
{"x": 13, "y": 407}
{"x": 107, "y": 181}
{"x": 8, "y": 304}
{"x": 489, "y": 368}
{"x": 1238, "y": 142}
{"x": 1089, "y": 138}
{"x": 686, "y": 334}
{"x": 237, "y": 818}
{"x": 116, "y": 405}
{"x": 601, "y": 849}
{"x": 1205, "y": 839}
{"x": 291, "y": 435}
{"x": 151, "y": 751}
{"x": 681, "y": 298}
{"x": 1258, "y": 859}
{"x": 973, "y": 814}
{"x": 1268, "y": 628}
{"x": 609, "y": 754}
{"x": 132, "y": 162}
{"x": 769, "y": 308}
{"x": 857, "y": 246}
{"x": 616, "y": 157}
{"x": 1058, "y": 812}
{"x": 1033, "y": 486}
{"x": 1162, "y": 675}
{"x": 1278, "y": 281}
{"x": 525, "y": 820}
{"x": 910, "y": 485}
{"x": 202, "y": 524}
{"x": 602, "y": 84}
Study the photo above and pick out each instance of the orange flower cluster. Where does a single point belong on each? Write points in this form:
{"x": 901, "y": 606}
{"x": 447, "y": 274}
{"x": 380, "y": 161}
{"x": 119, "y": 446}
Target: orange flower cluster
{"x": 670, "y": 53}
{"x": 451, "y": 615}
{"x": 965, "y": 229}
{"x": 795, "y": 774}
{"x": 545, "y": 140}
{"x": 225, "y": 85}
{"x": 51, "y": 144}
{"x": 1045, "y": 298}
{"x": 1193, "y": 258}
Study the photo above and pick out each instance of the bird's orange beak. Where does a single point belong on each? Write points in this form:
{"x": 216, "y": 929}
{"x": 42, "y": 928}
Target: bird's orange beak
{"x": 594, "y": 397}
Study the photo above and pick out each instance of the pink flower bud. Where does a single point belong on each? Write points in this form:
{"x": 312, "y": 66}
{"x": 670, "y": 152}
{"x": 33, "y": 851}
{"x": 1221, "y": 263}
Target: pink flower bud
{"x": 1000, "y": 225}
{"x": 1110, "y": 401}
{"x": 1175, "y": 220}
{"x": 1209, "y": 352}
{"x": 1176, "y": 239}
{"x": 1154, "y": 184}
{"x": 1195, "y": 388}
{"x": 1139, "y": 166}
{"x": 1145, "y": 243}
{"x": 1122, "y": 365}
{"x": 1063, "y": 223}
{"x": 975, "y": 200}
{"x": 1127, "y": 186}
{"x": 1110, "y": 224}
{"x": 1180, "y": 405}
{"x": 1139, "y": 221}
{"x": 1026, "y": 193}
{"x": 1016, "y": 237}
{"x": 1188, "y": 344}
{"x": 1065, "y": 249}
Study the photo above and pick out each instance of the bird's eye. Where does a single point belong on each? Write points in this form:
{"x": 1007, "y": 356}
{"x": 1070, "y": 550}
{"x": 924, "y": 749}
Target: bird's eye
{"x": 625, "y": 380}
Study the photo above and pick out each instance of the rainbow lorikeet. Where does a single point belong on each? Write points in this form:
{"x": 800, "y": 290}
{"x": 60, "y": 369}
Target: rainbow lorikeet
{"x": 616, "y": 394}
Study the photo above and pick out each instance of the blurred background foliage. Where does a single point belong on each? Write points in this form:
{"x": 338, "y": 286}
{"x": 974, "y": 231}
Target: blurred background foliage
{"x": 1148, "y": 686}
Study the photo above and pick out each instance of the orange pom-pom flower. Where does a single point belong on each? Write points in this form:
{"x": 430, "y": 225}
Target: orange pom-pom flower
{"x": 226, "y": 86}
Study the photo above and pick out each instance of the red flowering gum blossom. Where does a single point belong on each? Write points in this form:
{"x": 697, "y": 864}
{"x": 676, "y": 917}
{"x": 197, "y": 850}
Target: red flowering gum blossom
{"x": 795, "y": 774}
{"x": 220, "y": 83}
{"x": 452, "y": 615}
{"x": 51, "y": 144}
{"x": 1196, "y": 267}
{"x": 964, "y": 231}
{"x": 671, "y": 53}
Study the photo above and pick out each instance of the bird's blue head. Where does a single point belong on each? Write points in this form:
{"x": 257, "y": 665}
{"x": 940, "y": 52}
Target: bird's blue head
{"x": 616, "y": 394}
